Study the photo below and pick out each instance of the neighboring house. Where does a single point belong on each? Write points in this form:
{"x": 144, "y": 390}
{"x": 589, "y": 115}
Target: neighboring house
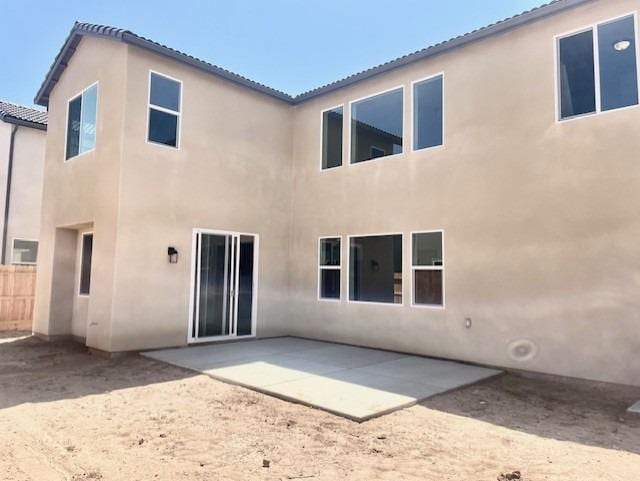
{"x": 22, "y": 149}
{"x": 475, "y": 200}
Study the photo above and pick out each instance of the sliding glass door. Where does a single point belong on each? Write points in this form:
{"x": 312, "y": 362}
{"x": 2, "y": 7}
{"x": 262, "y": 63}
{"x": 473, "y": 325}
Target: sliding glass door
{"x": 224, "y": 285}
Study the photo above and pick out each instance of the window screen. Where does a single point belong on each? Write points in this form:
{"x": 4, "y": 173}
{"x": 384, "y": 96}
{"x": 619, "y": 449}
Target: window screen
{"x": 618, "y": 69}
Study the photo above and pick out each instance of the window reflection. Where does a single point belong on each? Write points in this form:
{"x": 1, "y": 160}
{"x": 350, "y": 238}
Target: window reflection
{"x": 376, "y": 126}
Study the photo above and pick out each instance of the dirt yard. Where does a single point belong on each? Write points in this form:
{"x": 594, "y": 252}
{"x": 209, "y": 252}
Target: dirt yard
{"x": 67, "y": 415}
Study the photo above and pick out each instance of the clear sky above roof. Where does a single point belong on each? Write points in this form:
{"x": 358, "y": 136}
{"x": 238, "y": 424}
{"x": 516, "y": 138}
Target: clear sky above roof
{"x": 291, "y": 45}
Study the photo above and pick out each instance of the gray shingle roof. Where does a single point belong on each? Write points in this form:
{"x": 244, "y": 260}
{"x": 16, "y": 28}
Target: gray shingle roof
{"x": 86, "y": 29}
{"x": 19, "y": 114}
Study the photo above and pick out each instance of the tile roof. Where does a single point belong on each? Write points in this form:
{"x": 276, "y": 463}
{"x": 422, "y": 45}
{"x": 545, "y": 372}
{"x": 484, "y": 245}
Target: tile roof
{"x": 19, "y": 114}
{"x": 545, "y": 10}
{"x": 86, "y": 29}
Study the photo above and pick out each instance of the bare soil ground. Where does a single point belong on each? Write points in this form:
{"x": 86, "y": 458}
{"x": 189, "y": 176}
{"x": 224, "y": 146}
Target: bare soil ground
{"x": 67, "y": 415}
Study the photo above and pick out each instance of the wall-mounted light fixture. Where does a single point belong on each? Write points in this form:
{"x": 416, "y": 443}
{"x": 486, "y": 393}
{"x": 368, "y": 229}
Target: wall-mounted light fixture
{"x": 172, "y": 252}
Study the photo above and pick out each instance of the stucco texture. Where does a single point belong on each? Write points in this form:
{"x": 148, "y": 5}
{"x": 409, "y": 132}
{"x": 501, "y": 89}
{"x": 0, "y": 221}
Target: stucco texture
{"x": 540, "y": 217}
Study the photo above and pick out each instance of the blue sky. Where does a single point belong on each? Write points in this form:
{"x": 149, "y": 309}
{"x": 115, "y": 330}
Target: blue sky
{"x": 291, "y": 45}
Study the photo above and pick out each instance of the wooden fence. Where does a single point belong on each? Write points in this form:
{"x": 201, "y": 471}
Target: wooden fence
{"x": 17, "y": 292}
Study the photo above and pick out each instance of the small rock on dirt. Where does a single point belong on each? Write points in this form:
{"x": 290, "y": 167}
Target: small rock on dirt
{"x": 513, "y": 476}
{"x": 266, "y": 463}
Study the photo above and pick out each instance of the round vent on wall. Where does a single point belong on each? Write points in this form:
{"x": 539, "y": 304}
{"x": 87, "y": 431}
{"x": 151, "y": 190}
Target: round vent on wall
{"x": 522, "y": 350}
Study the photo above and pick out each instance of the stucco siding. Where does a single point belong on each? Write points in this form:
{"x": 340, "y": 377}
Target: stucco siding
{"x": 82, "y": 191}
{"x": 231, "y": 173}
{"x": 26, "y": 187}
{"x": 540, "y": 217}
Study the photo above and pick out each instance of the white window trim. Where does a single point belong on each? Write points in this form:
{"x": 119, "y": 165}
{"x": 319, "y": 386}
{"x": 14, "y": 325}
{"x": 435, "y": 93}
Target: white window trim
{"x": 404, "y": 128}
{"x": 322, "y": 169}
{"x": 596, "y": 62}
{"x": 66, "y": 127}
{"x": 82, "y": 236}
{"x": 329, "y": 268}
{"x": 13, "y": 242}
{"x": 413, "y": 113}
{"x": 388, "y": 304}
{"x": 165, "y": 110}
{"x": 427, "y": 268}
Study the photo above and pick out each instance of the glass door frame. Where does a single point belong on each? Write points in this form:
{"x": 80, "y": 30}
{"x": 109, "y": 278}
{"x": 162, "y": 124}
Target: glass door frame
{"x": 193, "y": 295}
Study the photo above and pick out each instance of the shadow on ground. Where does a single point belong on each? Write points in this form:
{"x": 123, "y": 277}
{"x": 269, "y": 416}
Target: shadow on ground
{"x": 34, "y": 371}
{"x": 584, "y": 412}
{"x": 588, "y": 413}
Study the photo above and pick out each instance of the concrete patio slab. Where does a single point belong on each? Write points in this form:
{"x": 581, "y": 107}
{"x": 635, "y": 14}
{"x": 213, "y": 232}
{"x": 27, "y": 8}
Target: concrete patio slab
{"x": 354, "y": 382}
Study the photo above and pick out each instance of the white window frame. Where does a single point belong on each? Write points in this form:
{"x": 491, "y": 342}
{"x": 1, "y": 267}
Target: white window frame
{"x": 427, "y": 268}
{"x": 596, "y": 62}
{"x": 66, "y": 127}
{"x": 329, "y": 268}
{"x": 388, "y": 304}
{"x": 195, "y": 264}
{"x": 13, "y": 244}
{"x": 82, "y": 236}
{"x": 349, "y": 121}
{"x": 413, "y": 112}
{"x": 165, "y": 110}
{"x": 342, "y": 106}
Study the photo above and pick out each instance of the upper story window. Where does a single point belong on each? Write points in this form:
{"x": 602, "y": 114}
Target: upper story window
{"x": 428, "y": 113}
{"x": 597, "y": 69}
{"x": 165, "y": 101}
{"x": 81, "y": 122}
{"x": 332, "y": 137}
{"x": 377, "y": 126}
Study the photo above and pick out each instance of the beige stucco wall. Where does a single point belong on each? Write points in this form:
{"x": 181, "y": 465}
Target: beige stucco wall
{"x": 231, "y": 173}
{"x": 81, "y": 192}
{"x": 26, "y": 186}
{"x": 26, "y": 182}
{"x": 540, "y": 218}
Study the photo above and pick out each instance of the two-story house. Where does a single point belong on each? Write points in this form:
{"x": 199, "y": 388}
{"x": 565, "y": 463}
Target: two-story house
{"x": 475, "y": 200}
{"x": 22, "y": 147}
